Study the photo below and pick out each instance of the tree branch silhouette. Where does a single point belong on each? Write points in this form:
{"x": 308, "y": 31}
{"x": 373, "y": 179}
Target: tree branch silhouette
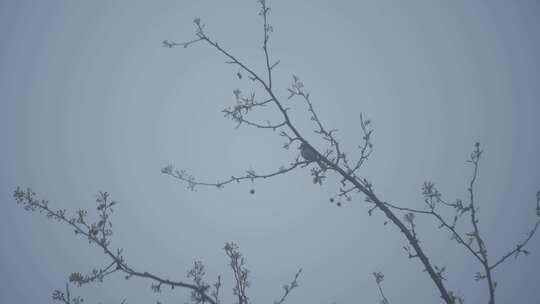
{"x": 335, "y": 160}
{"x": 99, "y": 233}
{"x": 379, "y": 277}
{"x": 296, "y": 89}
{"x": 332, "y": 159}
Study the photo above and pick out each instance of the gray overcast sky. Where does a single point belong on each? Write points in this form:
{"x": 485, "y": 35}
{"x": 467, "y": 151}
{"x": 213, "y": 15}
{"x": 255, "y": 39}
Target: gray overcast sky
{"x": 90, "y": 100}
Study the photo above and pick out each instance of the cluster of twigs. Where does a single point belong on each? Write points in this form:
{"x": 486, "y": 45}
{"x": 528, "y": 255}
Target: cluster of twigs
{"x": 336, "y": 160}
{"x": 331, "y": 159}
{"x": 379, "y": 277}
{"x": 99, "y": 233}
{"x": 472, "y": 240}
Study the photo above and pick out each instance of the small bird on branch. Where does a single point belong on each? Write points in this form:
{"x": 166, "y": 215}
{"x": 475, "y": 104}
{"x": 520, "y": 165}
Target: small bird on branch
{"x": 309, "y": 154}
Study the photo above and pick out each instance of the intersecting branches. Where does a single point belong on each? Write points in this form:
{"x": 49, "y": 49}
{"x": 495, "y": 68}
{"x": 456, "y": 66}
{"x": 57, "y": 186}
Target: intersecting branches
{"x": 96, "y": 275}
{"x": 472, "y": 241}
{"x": 335, "y": 155}
{"x": 95, "y": 233}
{"x": 332, "y": 159}
{"x": 99, "y": 236}
{"x": 481, "y": 246}
{"x": 245, "y": 104}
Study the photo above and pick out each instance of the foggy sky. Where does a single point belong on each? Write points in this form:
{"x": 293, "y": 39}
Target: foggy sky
{"x": 90, "y": 101}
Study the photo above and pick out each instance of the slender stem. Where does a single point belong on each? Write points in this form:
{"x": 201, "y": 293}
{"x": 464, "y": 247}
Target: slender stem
{"x": 265, "y": 43}
{"x": 518, "y": 248}
{"x": 121, "y": 265}
{"x": 479, "y": 241}
{"x": 369, "y": 193}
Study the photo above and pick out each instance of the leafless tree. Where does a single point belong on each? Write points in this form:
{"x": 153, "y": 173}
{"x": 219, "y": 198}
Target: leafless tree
{"x": 331, "y": 159}
{"x": 99, "y": 232}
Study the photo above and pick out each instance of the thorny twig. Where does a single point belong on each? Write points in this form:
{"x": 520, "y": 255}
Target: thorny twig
{"x": 201, "y": 291}
{"x": 333, "y": 159}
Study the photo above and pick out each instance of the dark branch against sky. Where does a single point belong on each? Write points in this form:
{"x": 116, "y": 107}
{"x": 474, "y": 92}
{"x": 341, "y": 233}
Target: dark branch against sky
{"x": 90, "y": 101}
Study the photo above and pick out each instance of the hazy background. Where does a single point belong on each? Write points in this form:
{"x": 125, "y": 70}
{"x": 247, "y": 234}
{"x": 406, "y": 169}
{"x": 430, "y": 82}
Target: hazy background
{"x": 90, "y": 101}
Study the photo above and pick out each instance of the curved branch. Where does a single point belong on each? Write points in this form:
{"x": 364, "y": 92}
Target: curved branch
{"x": 519, "y": 247}
{"x": 250, "y": 175}
{"x": 31, "y": 203}
{"x": 370, "y": 195}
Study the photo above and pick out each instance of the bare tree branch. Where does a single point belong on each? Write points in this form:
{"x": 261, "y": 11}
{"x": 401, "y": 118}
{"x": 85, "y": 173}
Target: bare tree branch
{"x": 287, "y": 288}
{"x": 362, "y": 185}
{"x": 331, "y": 159}
{"x": 379, "y": 277}
{"x": 92, "y": 232}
